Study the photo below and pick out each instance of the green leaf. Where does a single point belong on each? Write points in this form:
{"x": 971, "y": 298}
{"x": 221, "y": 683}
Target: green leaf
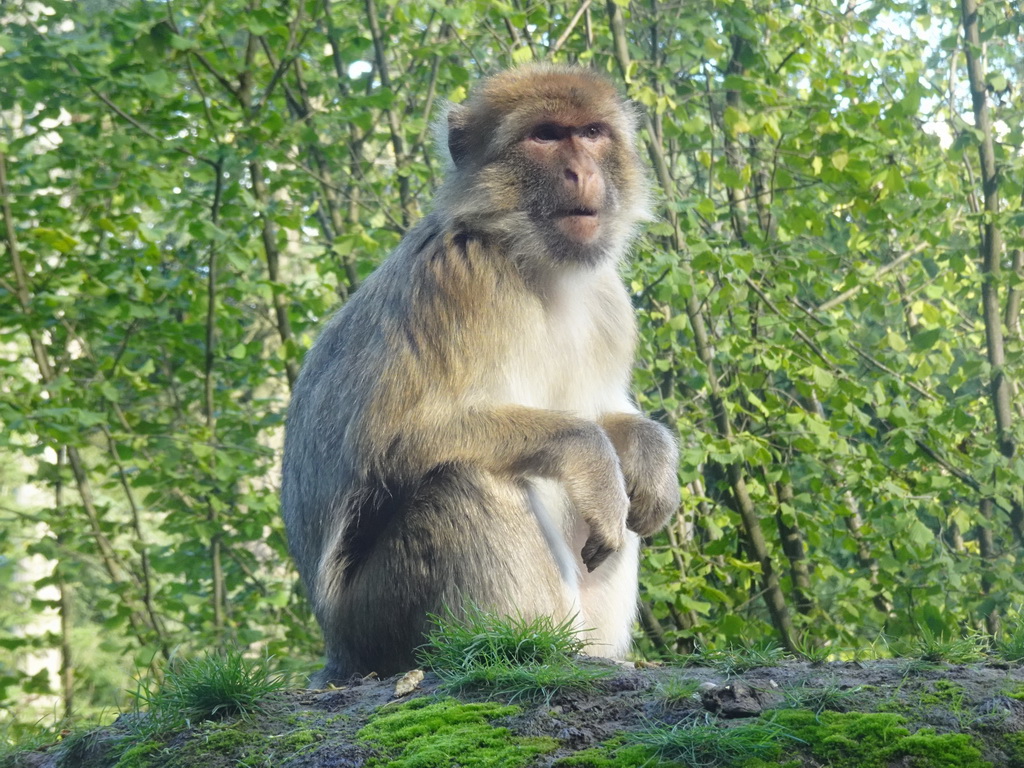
{"x": 58, "y": 240}
{"x": 926, "y": 339}
{"x": 158, "y": 82}
{"x": 735, "y": 121}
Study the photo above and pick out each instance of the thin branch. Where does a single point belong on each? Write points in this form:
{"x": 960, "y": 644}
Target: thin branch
{"x": 584, "y": 7}
{"x": 883, "y": 270}
{"x": 397, "y": 142}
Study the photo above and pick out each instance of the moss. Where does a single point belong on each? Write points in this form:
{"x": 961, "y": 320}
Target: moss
{"x": 943, "y": 694}
{"x": 228, "y": 740}
{"x": 238, "y": 744}
{"x": 1016, "y": 693}
{"x": 139, "y": 755}
{"x": 947, "y": 750}
{"x": 617, "y": 754}
{"x": 241, "y": 743}
{"x": 859, "y": 740}
{"x": 612, "y": 754}
{"x": 424, "y": 733}
{"x": 211, "y": 745}
{"x": 1014, "y": 748}
{"x": 293, "y": 742}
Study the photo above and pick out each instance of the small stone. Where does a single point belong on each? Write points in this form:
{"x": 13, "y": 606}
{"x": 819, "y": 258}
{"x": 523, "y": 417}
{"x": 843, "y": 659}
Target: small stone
{"x": 573, "y": 737}
{"x": 733, "y": 700}
{"x": 410, "y": 682}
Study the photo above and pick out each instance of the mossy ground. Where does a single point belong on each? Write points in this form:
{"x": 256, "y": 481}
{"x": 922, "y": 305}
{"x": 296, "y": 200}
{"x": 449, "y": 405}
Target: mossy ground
{"x": 435, "y": 734}
{"x": 834, "y": 739}
{"x": 881, "y": 714}
{"x": 876, "y": 740}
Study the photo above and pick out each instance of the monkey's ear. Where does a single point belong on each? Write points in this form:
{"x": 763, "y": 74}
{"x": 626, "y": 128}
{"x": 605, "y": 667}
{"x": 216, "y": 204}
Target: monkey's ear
{"x": 458, "y": 134}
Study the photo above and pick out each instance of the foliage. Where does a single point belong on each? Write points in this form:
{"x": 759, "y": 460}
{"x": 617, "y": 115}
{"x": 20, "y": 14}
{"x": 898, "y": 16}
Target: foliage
{"x": 189, "y": 189}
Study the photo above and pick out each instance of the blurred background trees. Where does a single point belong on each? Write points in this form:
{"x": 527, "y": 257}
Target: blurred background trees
{"x": 829, "y": 300}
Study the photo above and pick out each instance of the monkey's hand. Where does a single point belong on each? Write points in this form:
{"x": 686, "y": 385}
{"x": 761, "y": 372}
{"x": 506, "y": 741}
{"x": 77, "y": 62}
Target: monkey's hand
{"x": 522, "y": 441}
{"x": 607, "y": 527}
{"x": 597, "y": 549}
{"x": 649, "y": 457}
{"x": 597, "y": 489}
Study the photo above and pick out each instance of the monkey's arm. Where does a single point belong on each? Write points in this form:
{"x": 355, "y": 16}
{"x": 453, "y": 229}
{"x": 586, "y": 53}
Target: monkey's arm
{"x": 649, "y": 458}
{"x": 514, "y": 440}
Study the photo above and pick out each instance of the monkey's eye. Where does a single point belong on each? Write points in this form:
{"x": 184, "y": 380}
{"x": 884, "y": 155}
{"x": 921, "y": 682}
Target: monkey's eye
{"x": 546, "y": 132}
{"x": 594, "y": 131}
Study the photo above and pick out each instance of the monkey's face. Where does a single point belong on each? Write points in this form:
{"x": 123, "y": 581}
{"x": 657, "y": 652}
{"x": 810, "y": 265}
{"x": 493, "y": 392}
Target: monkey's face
{"x": 545, "y": 156}
{"x": 567, "y": 191}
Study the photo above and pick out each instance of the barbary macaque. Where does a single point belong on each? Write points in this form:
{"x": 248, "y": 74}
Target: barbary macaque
{"x": 462, "y": 432}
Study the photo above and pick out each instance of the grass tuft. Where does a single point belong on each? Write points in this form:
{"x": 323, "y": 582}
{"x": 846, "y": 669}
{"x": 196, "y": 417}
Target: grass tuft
{"x": 1010, "y": 645}
{"x": 509, "y": 656}
{"x": 943, "y": 649}
{"x": 735, "y": 660}
{"x": 815, "y": 653}
{"x": 707, "y": 744}
{"x": 830, "y": 696}
{"x": 209, "y": 688}
{"x": 677, "y": 691}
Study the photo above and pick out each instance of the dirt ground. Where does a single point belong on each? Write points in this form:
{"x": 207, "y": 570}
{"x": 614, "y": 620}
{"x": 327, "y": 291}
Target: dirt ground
{"x": 981, "y": 705}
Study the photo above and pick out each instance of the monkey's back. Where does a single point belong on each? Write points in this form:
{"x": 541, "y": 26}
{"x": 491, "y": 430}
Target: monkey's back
{"x": 404, "y": 345}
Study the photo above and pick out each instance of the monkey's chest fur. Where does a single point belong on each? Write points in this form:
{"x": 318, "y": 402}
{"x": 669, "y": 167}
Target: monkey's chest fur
{"x": 571, "y": 349}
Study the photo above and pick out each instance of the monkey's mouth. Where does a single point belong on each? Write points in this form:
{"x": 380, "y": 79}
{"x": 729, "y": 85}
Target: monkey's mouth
{"x": 580, "y": 225}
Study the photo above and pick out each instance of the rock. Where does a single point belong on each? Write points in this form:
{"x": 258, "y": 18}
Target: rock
{"x": 410, "y": 682}
{"x": 733, "y": 700}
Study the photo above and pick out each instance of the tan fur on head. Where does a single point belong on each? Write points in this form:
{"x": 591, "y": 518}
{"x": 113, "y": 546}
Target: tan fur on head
{"x": 481, "y": 184}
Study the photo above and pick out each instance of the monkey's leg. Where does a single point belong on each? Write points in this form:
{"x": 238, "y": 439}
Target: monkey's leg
{"x": 462, "y": 537}
{"x": 608, "y": 601}
{"x": 607, "y": 596}
{"x": 649, "y": 458}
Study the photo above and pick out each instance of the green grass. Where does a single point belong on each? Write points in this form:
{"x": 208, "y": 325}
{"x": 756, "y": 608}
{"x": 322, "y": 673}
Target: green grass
{"x": 708, "y": 744}
{"x": 943, "y": 649}
{"x": 678, "y": 691}
{"x": 1010, "y": 645}
{"x": 737, "y": 659}
{"x": 819, "y": 698}
{"x": 208, "y": 688}
{"x": 815, "y": 653}
{"x": 509, "y": 656}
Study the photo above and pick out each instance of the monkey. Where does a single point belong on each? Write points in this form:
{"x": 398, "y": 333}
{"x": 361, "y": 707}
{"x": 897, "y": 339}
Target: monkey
{"x": 462, "y": 431}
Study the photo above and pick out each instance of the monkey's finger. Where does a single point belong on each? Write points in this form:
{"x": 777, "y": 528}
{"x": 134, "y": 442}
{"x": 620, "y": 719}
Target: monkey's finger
{"x": 594, "y": 553}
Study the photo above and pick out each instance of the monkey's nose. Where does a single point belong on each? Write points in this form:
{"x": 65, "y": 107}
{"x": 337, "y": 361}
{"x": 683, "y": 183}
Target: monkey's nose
{"x": 585, "y": 185}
